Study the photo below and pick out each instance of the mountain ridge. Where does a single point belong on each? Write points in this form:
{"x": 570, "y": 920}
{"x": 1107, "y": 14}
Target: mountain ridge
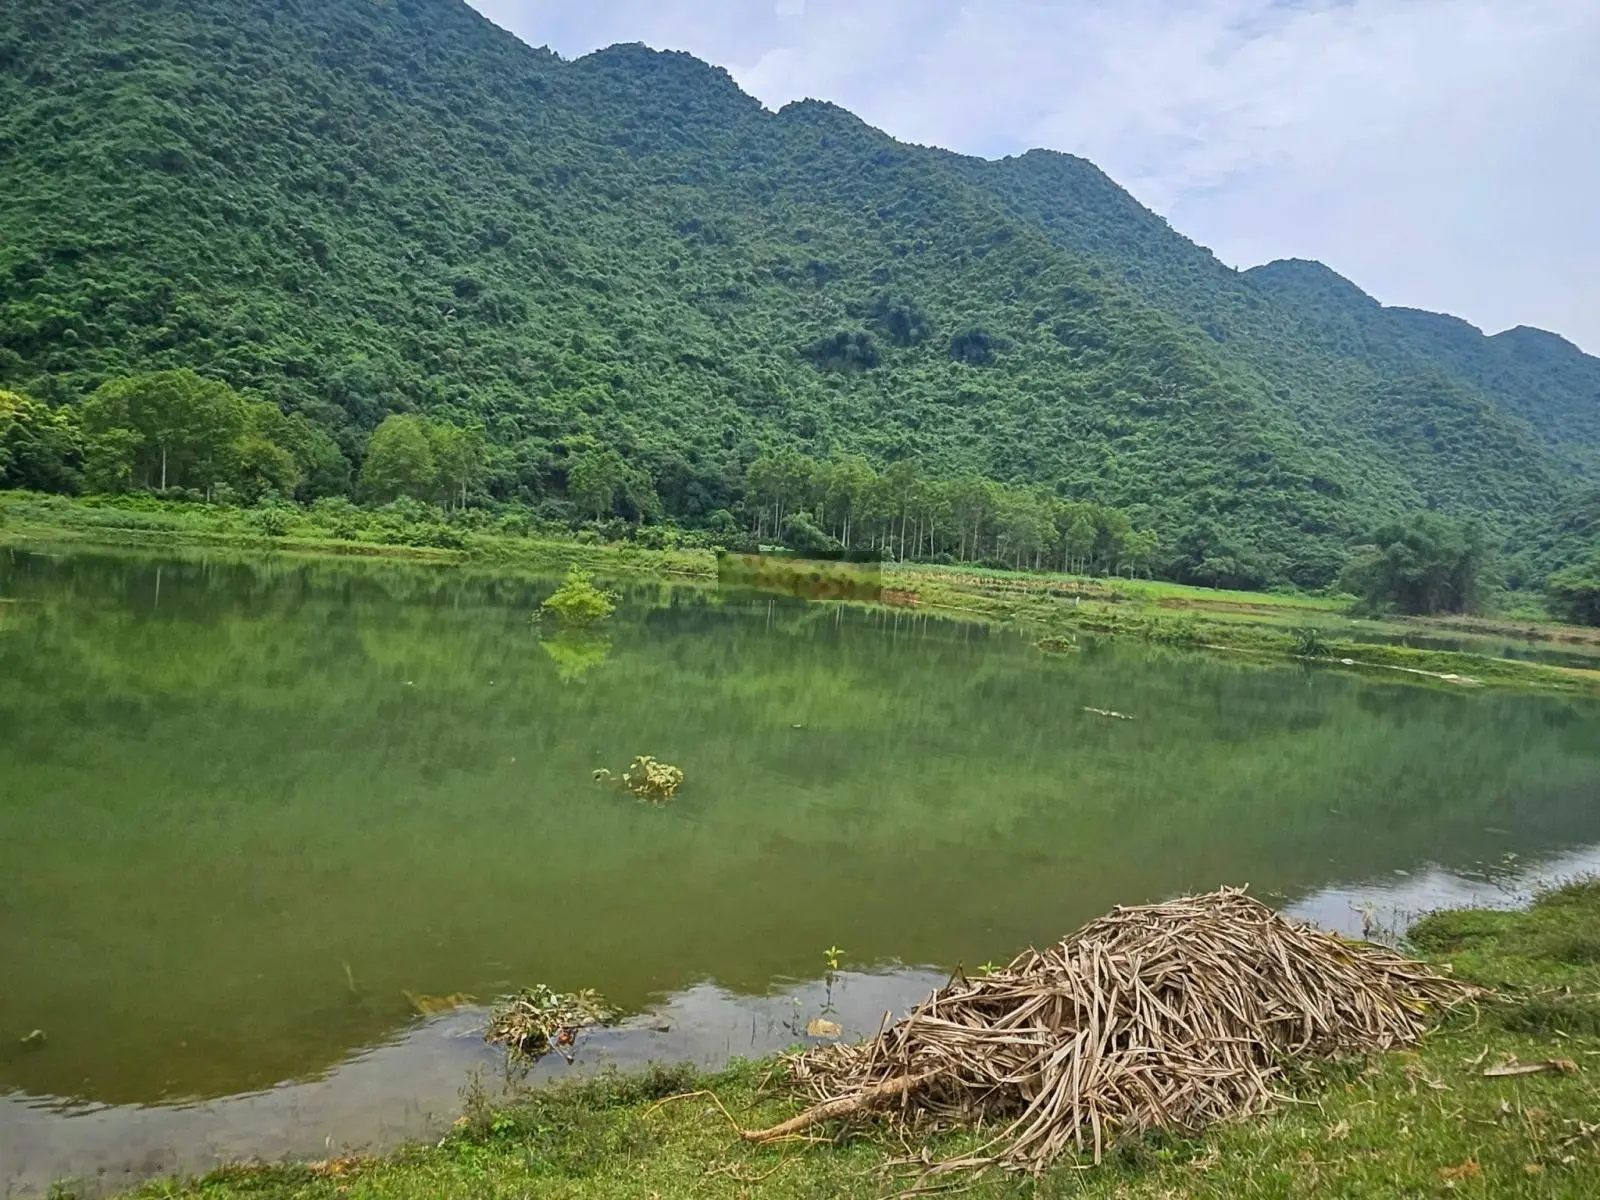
{"x": 357, "y": 208}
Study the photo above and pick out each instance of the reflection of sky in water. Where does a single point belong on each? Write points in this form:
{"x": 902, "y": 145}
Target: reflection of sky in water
{"x": 411, "y": 1087}
{"x": 1388, "y": 905}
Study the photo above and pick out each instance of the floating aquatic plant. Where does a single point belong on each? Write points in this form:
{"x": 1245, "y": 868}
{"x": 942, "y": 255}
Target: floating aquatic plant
{"x": 432, "y": 1006}
{"x": 536, "y": 1020}
{"x": 650, "y": 780}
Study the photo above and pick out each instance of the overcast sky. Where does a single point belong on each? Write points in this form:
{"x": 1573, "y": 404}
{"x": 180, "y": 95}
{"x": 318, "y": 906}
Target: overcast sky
{"x": 1441, "y": 153}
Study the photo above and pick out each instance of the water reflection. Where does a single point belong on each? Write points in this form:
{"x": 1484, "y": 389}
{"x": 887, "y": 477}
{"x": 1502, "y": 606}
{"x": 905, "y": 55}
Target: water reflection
{"x": 411, "y": 1087}
{"x": 245, "y": 807}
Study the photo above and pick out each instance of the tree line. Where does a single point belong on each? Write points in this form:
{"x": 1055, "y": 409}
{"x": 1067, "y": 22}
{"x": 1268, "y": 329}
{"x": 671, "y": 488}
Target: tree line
{"x": 179, "y": 433}
{"x": 167, "y": 431}
{"x": 903, "y": 513}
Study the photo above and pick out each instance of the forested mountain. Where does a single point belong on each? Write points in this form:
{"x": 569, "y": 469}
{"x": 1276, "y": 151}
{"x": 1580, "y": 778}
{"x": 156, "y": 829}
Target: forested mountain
{"x": 353, "y": 208}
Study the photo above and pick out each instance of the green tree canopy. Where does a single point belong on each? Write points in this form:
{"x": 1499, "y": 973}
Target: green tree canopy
{"x": 182, "y": 426}
{"x": 594, "y": 478}
{"x": 1574, "y": 594}
{"x": 1426, "y": 564}
{"x": 40, "y": 447}
{"x": 399, "y": 461}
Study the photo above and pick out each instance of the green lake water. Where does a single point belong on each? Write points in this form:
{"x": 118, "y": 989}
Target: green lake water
{"x": 246, "y": 806}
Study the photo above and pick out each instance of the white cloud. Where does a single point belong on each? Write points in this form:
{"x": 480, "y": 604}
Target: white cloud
{"x": 1441, "y": 153}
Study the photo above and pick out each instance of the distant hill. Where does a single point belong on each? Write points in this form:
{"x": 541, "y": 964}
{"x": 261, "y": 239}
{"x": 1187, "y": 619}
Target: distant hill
{"x": 356, "y": 207}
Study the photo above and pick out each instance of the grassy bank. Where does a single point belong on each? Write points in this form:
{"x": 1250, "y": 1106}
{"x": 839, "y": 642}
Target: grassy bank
{"x": 1423, "y": 1123}
{"x": 1450, "y": 651}
{"x": 338, "y": 530}
{"x": 1459, "y": 652}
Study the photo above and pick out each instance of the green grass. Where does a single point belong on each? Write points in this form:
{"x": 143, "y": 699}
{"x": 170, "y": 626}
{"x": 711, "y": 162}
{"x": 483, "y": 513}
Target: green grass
{"x": 33, "y": 519}
{"x": 1268, "y": 624}
{"x": 1413, "y": 1123}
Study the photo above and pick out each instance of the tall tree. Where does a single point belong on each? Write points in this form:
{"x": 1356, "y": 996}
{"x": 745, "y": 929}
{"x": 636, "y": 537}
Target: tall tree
{"x": 459, "y": 459}
{"x": 399, "y": 461}
{"x": 594, "y": 477}
{"x": 183, "y": 426}
{"x": 1427, "y": 564}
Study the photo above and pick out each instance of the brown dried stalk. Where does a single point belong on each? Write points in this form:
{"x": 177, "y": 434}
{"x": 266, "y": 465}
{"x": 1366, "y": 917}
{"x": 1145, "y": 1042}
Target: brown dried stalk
{"x": 1172, "y": 1015}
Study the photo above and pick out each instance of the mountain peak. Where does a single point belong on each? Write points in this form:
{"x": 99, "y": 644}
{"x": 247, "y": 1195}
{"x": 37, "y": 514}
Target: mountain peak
{"x": 677, "y": 67}
{"x": 1307, "y": 274}
{"x": 1531, "y": 337}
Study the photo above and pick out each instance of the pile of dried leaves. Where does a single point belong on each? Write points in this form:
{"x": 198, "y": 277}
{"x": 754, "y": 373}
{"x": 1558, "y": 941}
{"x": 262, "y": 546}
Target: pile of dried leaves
{"x": 1173, "y": 1015}
{"x": 537, "y": 1020}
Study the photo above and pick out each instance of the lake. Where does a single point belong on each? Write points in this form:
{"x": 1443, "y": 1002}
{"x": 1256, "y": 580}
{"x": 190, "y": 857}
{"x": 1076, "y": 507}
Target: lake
{"x": 249, "y": 808}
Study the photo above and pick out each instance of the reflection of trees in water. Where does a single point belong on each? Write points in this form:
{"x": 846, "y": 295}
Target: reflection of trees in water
{"x": 354, "y": 766}
{"x": 576, "y": 653}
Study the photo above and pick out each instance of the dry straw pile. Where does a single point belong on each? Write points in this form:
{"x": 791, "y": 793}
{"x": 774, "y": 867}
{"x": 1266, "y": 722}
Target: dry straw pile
{"x": 1173, "y": 1016}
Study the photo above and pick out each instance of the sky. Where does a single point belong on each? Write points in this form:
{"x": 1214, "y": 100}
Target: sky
{"x": 1442, "y": 154}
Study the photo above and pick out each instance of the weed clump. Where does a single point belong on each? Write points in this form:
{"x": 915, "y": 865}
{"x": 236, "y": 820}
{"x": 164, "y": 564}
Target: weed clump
{"x": 577, "y": 602}
{"x": 536, "y": 1020}
{"x": 650, "y": 780}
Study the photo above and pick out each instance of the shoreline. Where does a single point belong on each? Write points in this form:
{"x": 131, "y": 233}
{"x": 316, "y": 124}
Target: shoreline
{"x": 1415, "y": 1121}
{"x": 1052, "y": 610}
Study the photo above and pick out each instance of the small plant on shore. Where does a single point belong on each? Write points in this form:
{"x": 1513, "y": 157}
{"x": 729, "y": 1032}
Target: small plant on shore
{"x": 274, "y": 520}
{"x": 1309, "y": 642}
{"x": 578, "y": 602}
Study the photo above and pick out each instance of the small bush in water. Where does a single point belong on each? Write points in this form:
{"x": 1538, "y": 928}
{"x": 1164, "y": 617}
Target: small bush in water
{"x": 579, "y": 602}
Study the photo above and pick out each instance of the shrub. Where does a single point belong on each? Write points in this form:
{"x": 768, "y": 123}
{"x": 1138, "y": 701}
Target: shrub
{"x": 578, "y": 602}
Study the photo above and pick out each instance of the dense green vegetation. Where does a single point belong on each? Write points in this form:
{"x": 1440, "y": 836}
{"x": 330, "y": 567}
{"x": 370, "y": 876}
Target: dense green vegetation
{"x": 1480, "y": 424}
{"x": 1575, "y": 593}
{"x": 1428, "y": 564}
{"x": 1420, "y": 1123}
{"x": 469, "y": 273}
